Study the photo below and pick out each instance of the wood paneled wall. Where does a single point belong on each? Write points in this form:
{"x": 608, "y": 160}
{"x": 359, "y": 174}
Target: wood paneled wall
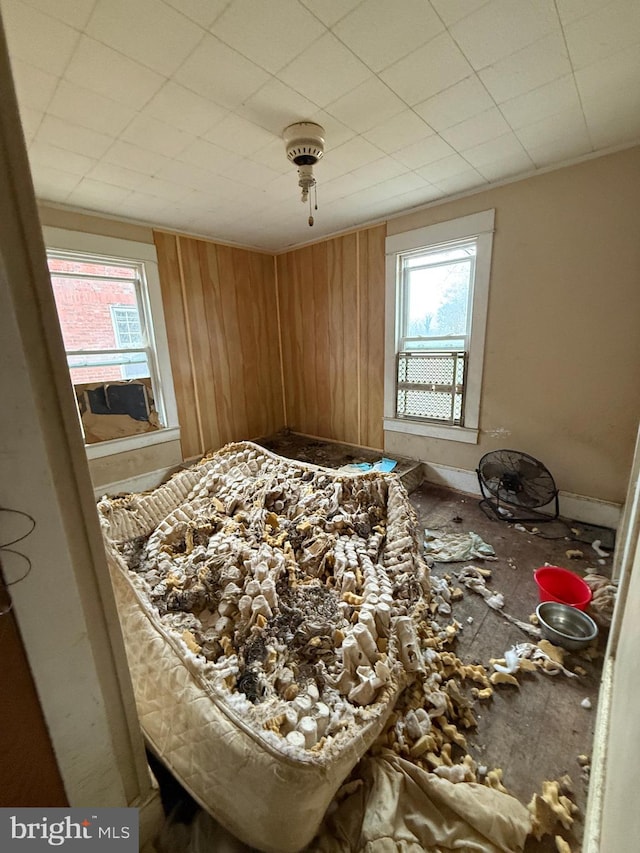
{"x": 221, "y": 317}
{"x": 331, "y": 298}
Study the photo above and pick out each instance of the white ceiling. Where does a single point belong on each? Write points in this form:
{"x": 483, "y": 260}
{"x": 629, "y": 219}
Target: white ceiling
{"x": 171, "y": 112}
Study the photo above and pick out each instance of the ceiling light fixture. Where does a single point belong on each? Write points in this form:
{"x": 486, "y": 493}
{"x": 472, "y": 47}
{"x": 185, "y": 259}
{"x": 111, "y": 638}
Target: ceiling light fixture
{"x": 304, "y": 143}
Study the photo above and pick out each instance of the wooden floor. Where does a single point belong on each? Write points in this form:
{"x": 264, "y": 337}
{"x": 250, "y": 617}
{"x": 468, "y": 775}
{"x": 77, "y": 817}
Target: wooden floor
{"x": 533, "y": 733}
{"x": 537, "y": 732}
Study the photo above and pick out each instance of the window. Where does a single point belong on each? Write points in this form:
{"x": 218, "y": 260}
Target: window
{"x": 109, "y": 305}
{"x": 128, "y": 331}
{"x": 437, "y": 293}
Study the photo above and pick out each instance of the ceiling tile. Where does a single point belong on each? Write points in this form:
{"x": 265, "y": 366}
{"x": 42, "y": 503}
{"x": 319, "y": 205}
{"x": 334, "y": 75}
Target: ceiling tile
{"x": 202, "y": 12}
{"x": 604, "y": 32}
{"x": 208, "y": 156}
{"x": 426, "y": 151}
{"x": 36, "y": 38}
{"x": 540, "y": 63}
{"x": 30, "y": 121}
{"x": 88, "y": 109}
{"x": 95, "y": 195}
{"x": 462, "y": 100}
{"x": 380, "y": 34}
{"x": 336, "y": 133}
{"x": 353, "y": 154}
{"x": 101, "y": 69}
{"x": 571, "y": 10}
{"x": 250, "y": 173}
{"x": 428, "y": 70}
{"x": 550, "y": 99}
{"x": 330, "y": 11}
{"x": 188, "y": 175}
{"x": 148, "y": 132}
{"x": 73, "y": 137}
{"x": 605, "y": 133}
{"x": 480, "y": 128}
{"x": 271, "y": 34}
{"x": 240, "y": 136}
{"x": 398, "y": 132}
{"x": 34, "y": 87}
{"x": 469, "y": 180}
{"x": 165, "y": 189}
{"x": 561, "y": 150}
{"x": 215, "y": 71}
{"x": 183, "y": 109}
{"x": 133, "y": 157}
{"x": 275, "y": 106}
{"x": 381, "y": 194}
{"x": 147, "y": 208}
{"x": 53, "y": 184}
{"x": 506, "y": 146}
{"x": 273, "y": 155}
{"x": 117, "y": 176}
{"x": 452, "y": 11}
{"x": 50, "y": 155}
{"x": 148, "y": 31}
{"x": 73, "y": 12}
{"x": 503, "y": 27}
{"x": 447, "y": 167}
{"x": 610, "y": 96}
{"x": 548, "y": 130}
{"x": 368, "y": 105}
{"x": 379, "y": 171}
{"x": 325, "y": 71}
{"x": 518, "y": 163}
{"x": 336, "y": 188}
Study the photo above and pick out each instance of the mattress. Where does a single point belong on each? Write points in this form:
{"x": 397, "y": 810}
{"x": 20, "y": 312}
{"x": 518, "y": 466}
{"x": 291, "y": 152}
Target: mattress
{"x": 269, "y": 611}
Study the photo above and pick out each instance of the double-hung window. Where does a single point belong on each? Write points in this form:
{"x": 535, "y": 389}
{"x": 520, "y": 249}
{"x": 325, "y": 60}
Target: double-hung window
{"x": 437, "y": 292}
{"x": 107, "y": 295}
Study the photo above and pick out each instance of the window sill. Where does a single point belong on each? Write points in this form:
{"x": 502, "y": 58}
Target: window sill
{"x": 131, "y": 442}
{"x": 431, "y": 430}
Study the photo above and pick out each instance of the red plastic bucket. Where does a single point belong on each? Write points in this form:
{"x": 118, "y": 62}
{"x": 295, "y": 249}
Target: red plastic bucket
{"x": 558, "y": 584}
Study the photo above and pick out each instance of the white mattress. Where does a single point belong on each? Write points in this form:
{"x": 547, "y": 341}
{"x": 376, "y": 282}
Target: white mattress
{"x": 268, "y": 613}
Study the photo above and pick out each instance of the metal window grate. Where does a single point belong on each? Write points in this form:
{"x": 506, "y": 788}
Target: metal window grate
{"x": 430, "y": 386}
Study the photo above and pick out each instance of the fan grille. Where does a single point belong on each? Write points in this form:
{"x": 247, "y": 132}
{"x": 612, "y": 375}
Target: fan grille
{"x": 516, "y": 478}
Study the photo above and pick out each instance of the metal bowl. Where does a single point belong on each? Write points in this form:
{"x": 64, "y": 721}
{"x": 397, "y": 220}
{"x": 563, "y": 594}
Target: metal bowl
{"x": 566, "y": 626}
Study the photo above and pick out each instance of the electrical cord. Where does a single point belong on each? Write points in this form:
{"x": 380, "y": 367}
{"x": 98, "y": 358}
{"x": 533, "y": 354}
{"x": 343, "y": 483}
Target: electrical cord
{"x": 5, "y": 548}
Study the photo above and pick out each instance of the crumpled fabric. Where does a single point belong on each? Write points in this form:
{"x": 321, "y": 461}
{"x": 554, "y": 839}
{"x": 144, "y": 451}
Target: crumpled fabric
{"x": 400, "y": 808}
{"x": 456, "y": 547}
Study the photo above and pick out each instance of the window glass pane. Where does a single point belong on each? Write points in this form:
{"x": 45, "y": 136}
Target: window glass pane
{"x": 126, "y": 324}
{"x": 107, "y": 368}
{"x": 439, "y": 256}
{"x": 85, "y": 305}
{"x": 437, "y": 299}
{"x": 433, "y": 344}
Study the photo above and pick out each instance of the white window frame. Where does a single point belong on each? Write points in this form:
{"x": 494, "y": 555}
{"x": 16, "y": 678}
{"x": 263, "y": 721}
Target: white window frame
{"x": 129, "y": 251}
{"x": 479, "y": 226}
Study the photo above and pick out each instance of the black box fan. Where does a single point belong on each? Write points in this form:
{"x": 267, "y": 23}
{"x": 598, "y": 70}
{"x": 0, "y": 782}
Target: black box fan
{"x": 510, "y": 481}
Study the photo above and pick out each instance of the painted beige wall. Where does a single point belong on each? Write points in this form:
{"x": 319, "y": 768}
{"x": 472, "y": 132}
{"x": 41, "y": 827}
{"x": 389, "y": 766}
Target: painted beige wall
{"x": 133, "y": 463}
{"x": 562, "y": 364}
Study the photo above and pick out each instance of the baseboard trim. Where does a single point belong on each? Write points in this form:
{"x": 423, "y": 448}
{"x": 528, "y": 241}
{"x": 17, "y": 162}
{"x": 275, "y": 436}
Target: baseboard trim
{"x": 138, "y": 483}
{"x": 577, "y": 507}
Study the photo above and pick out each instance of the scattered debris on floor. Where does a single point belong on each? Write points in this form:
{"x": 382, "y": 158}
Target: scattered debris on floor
{"x": 383, "y": 465}
{"x": 456, "y": 547}
{"x": 603, "y": 597}
{"x": 550, "y": 808}
{"x": 599, "y": 551}
{"x": 574, "y": 554}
